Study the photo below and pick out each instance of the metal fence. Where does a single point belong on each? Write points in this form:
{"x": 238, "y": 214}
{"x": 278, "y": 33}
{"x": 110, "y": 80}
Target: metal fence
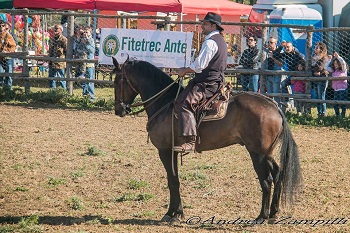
{"x": 33, "y": 34}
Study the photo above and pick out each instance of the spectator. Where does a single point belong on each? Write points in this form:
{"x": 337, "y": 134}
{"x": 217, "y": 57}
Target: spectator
{"x": 318, "y": 68}
{"x": 339, "y": 68}
{"x": 57, "y": 49}
{"x": 299, "y": 88}
{"x": 86, "y": 50}
{"x": 274, "y": 62}
{"x": 249, "y": 60}
{"x": 292, "y": 57}
{"x": 8, "y": 29}
{"x": 7, "y": 45}
{"x": 80, "y": 68}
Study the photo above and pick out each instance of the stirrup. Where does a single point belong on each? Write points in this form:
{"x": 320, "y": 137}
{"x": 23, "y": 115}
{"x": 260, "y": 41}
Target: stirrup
{"x": 185, "y": 148}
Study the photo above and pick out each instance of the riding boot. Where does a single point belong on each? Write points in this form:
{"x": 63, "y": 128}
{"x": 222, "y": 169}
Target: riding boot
{"x": 188, "y": 146}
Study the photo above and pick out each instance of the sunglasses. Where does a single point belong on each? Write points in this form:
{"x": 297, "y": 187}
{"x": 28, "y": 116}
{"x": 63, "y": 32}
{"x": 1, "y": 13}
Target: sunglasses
{"x": 251, "y": 39}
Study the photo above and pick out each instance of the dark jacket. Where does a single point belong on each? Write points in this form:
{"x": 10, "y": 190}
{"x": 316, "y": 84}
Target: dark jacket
{"x": 292, "y": 59}
{"x": 277, "y": 55}
{"x": 250, "y": 58}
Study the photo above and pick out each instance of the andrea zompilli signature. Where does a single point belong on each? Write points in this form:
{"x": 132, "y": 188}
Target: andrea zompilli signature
{"x": 284, "y": 220}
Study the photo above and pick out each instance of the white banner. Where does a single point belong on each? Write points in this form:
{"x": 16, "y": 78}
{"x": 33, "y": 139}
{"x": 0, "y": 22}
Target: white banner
{"x": 161, "y": 48}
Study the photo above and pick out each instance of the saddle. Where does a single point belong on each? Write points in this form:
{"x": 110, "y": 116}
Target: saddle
{"x": 214, "y": 108}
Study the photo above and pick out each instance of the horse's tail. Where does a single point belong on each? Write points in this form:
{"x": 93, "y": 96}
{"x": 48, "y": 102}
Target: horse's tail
{"x": 289, "y": 182}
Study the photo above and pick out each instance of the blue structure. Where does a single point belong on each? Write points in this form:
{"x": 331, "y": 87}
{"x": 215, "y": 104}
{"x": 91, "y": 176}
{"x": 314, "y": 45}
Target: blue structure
{"x": 302, "y": 16}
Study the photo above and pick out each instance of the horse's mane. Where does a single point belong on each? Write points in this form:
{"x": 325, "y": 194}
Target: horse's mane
{"x": 152, "y": 73}
{"x": 153, "y": 76}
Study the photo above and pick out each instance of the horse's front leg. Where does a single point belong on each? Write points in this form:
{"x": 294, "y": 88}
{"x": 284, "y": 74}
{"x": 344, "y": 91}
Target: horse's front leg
{"x": 175, "y": 210}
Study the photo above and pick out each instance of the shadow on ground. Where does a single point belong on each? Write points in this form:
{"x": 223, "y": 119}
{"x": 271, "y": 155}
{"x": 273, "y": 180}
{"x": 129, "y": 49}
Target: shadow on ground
{"x": 68, "y": 221}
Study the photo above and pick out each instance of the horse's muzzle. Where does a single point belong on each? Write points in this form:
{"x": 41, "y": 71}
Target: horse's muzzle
{"x": 124, "y": 110}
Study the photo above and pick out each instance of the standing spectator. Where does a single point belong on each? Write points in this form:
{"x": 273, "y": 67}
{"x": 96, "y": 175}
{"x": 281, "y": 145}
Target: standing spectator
{"x": 292, "y": 57}
{"x": 339, "y": 68}
{"x": 57, "y": 49}
{"x": 86, "y": 50}
{"x": 249, "y": 60}
{"x": 80, "y": 68}
{"x": 318, "y": 68}
{"x": 299, "y": 88}
{"x": 8, "y": 29}
{"x": 274, "y": 62}
{"x": 7, "y": 45}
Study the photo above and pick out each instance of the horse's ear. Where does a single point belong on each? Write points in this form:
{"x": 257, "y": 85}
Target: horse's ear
{"x": 115, "y": 62}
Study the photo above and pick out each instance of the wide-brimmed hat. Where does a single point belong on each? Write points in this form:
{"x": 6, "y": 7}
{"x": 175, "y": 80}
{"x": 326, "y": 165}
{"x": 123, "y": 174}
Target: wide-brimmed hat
{"x": 214, "y": 18}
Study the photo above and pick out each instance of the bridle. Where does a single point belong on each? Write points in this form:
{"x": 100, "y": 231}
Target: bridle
{"x": 126, "y": 107}
{"x": 146, "y": 103}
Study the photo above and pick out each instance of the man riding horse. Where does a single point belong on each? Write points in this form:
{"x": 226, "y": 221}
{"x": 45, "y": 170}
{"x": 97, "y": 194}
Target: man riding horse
{"x": 209, "y": 69}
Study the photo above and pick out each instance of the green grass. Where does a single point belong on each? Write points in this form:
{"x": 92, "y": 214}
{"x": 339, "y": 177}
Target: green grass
{"x": 105, "y": 102}
{"x": 145, "y": 214}
{"x": 75, "y": 203}
{"x": 137, "y": 184}
{"x": 59, "y": 97}
{"x": 311, "y": 120}
{"x": 21, "y": 189}
{"x": 76, "y": 174}
{"x": 30, "y": 224}
{"x": 135, "y": 197}
{"x": 94, "y": 151}
{"x": 193, "y": 176}
{"x": 56, "y": 181}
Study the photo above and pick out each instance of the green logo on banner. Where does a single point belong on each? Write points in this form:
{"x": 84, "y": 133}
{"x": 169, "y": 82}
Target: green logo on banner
{"x": 110, "y": 45}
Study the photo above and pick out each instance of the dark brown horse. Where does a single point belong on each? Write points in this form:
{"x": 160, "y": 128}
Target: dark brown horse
{"x": 252, "y": 120}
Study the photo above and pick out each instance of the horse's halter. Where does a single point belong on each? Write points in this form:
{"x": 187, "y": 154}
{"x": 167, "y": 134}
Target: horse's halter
{"x": 126, "y": 107}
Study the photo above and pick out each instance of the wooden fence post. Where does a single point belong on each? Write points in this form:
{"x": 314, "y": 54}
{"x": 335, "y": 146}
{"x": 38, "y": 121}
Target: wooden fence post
{"x": 69, "y": 54}
{"x": 263, "y": 60}
{"x": 308, "y": 57}
{"x": 25, "y": 48}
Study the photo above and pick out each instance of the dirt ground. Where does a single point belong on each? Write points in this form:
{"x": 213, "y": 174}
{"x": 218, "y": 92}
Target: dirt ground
{"x": 75, "y": 169}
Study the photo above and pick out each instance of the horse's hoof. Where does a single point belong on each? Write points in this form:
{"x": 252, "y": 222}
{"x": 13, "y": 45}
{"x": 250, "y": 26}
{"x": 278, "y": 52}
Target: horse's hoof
{"x": 260, "y": 220}
{"x": 166, "y": 218}
{"x": 174, "y": 221}
{"x": 170, "y": 220}
{"x": 272, "y": 220}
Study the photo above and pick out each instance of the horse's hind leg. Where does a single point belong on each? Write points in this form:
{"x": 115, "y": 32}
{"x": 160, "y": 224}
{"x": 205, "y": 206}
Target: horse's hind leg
{"x": 275, "y": 171}
{"x": 261, "y": 168}
{"x": 175, "y": 210}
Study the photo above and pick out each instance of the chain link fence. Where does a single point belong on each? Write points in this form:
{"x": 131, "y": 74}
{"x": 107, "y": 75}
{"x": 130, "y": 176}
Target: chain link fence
{"x": 34, "y": 30}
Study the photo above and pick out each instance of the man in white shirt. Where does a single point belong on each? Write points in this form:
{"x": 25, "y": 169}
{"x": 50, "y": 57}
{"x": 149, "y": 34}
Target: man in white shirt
{"x": 209, "y": 69}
